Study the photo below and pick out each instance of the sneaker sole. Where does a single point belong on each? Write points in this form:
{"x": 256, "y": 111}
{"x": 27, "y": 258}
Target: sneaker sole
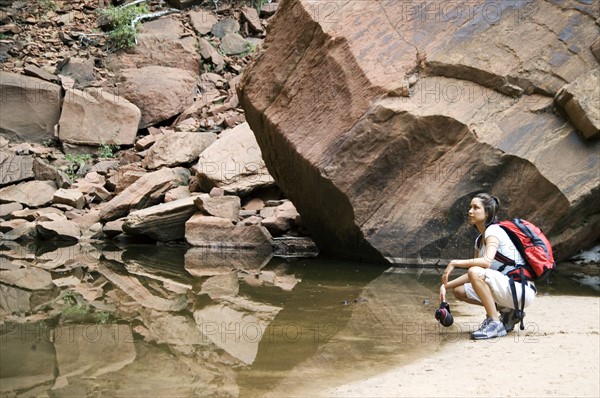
{"x": 483, "y": 337}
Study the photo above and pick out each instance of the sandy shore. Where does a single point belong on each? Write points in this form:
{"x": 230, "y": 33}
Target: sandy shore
{"x": 558, "y": 354}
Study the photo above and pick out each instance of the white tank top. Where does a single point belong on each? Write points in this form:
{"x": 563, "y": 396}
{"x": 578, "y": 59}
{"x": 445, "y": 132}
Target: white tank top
{"x": 506, "y": 248}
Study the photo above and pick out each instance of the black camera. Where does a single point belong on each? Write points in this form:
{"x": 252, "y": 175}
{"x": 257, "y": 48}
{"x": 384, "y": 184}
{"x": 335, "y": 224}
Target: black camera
{"x": 443, "y": 314}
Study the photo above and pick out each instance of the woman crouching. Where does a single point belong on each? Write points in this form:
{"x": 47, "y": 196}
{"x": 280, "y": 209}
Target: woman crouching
{"x": 486, "y": 282}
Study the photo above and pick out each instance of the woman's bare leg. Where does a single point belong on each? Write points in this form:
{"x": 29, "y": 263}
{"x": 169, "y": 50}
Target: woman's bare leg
{"x": 477, "y": 279}
{"x": 461, "y": 294}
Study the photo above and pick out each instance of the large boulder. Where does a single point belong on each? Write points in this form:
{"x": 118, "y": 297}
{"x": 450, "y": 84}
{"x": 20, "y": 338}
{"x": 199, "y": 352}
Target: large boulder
{"x": 227, "y": 207}
{"x": 30, "y": 193}
{"x": 160, "y": 92}
{"x": 178, "y": 148}
{"x": 581, "y": 102}
{"x": 144, "y": 192}
{"x": 94, "y": 117}
{"x": 30, "y": 107}
{"x": 380, "y": 138}
{"x": 279, "y": 219}
{"x": 71, "y": 197}
{"x": 80, "y": 70}
{"x": 234, "y": 162}
{"x": 15, "y": 168}
{"x": 163, "y": 222}
{"x": 57, "y": 227}
{"x": 210, "y": 53}
{"x": 202, "y": 21}
{"x": 233, "y": 44}
{"x": 13, "y": 300}
{"x": 213, "y": 232}
{"x": 7, "y": 209}
{"x": 19, "y": 230}
{"x": 161, "y": 42}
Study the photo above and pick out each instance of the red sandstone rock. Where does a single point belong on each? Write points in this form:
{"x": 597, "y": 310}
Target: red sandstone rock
{"x": 380, "y": 122}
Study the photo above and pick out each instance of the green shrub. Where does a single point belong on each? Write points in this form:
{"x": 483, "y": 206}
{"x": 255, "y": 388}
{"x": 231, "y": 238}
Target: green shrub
{"x": 73, "y": 304}
{"x": 107, "y": 150}
{"x": 48, "y": 5}
{"x": 122, "y": 33}
{"x": 76, "y": 163}
{"x": 103, "y": 317}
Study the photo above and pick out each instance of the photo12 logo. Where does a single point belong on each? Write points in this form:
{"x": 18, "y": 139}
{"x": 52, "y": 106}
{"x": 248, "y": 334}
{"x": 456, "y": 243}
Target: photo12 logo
{"x": 254, "y": 332}
{"x": 430, "y": 332}
{"x": 461, "y": 12}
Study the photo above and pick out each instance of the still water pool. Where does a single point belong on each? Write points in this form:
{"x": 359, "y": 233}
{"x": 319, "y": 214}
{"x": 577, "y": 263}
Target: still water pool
{"x": 166, "y": 321}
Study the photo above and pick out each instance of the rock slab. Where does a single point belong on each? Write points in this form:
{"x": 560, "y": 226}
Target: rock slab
{"x": 30, "y": 107}
{"x": 208, "y": 231}
{"x": 234, "y": 162}
{"x": 94, "y": 117}
{"x": 381, "y": 138}
{"x": 581, "y": 101}
{"x": 30, "y": 194}
{"x": 163, "y": 222}
{"x": 146, "y": 191}
{"x": 178, "y": 148}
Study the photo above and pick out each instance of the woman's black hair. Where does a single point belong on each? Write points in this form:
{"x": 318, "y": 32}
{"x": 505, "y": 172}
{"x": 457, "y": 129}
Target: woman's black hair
{"x": 491, "y": 205}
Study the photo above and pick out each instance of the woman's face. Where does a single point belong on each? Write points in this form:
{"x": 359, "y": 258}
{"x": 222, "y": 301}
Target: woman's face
{"x": 477, "y": 212}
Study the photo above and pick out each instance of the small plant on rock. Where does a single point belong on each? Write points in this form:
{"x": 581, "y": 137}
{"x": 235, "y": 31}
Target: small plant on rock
{"x": 122, "y": 30}
{"x": 107, "y": 150}
{"x": 250, "y": 48}
{"x": 76, "y": 164}
{"x": 48, "y": 5}
{"x": 103, "y": 317}
{"x": 258, "y": 4}
{"x": 52, "y": 142}
{"x": 73, "y": 304}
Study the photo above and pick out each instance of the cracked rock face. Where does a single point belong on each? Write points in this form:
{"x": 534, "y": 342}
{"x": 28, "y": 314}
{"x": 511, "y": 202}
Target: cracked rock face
{"x": 380, "y": 121}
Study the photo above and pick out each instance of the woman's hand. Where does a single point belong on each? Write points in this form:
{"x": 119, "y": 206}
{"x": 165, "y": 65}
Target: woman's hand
{"x": 442, "y": 293}
{"x": 446, "y": 274}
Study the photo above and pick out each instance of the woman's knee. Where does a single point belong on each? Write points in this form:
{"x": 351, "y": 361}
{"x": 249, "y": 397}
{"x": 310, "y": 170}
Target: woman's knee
{"x": 460, "y": 293}
{"x": 476, "y": 272}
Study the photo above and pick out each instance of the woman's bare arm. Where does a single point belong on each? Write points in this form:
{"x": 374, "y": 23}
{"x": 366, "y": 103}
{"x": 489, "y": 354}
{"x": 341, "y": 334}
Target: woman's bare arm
{"x": 491, "y": 246}
{"x": 461, "y": 280}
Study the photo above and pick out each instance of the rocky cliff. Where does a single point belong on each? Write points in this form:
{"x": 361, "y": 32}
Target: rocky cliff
{"x": 101, "y": 144}
{"x": 381, "y": 119}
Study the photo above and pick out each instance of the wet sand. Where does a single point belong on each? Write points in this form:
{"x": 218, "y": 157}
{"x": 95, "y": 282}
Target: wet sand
{"x": 559, "y": 351}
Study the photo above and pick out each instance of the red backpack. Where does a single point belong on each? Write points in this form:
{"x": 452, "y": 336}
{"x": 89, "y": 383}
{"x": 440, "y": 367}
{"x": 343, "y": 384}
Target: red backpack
{"x": 533, "y": 246}
{"x": 535, "y": 249}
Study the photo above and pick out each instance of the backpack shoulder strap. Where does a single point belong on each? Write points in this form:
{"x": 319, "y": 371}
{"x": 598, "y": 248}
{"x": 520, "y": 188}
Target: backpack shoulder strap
{"x": 478, "y": 241}
{"x": 514, "y": 239}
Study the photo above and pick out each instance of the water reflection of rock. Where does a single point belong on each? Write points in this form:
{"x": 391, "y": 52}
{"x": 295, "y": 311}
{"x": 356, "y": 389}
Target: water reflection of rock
{"x": 389, "y": 326}
{"x": 91, "y": 350}
{"x": 208, "y": 327}
{"x": 220, "y": 286}
{"x": 14, "y": 300}
{"x": 200, "y": 261}
{"x": 132, "y": 286}
{"x": 236, "y": 325}
{"x": 27, "y": 357}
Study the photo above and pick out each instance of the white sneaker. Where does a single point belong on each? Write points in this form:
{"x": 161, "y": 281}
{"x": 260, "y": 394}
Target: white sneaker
{"x": 489, "y": 329}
